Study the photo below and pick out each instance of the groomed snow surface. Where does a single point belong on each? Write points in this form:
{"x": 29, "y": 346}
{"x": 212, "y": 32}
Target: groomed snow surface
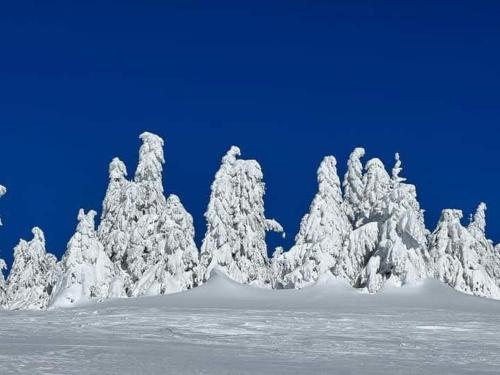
{"x": 227, "y": 328}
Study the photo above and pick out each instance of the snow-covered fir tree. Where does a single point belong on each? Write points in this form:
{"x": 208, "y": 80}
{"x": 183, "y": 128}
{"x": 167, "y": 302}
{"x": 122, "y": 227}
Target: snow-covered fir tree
{"x": 354, "y": 186}
{"x": 456, "y": 257}
{"x": 236, "y": 224}
{"x": 176, "y": 267}
{"x": 144, "y": 249}
{"x": 376, "y": 183}
{"x": 138, "y": 225}
{"x": 322, "y": 235}
{"x": 33, "y": 275}
{"x": 477, "y": 225}
{"x": 401, "y": 250}
{"x": 87, "y": 273}
{"x": 118, "y": 209}
{"x": 489, "y": 257}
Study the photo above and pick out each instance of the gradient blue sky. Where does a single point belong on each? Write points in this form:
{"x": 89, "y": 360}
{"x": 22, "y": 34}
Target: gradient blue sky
{"x": 288, "y": 82}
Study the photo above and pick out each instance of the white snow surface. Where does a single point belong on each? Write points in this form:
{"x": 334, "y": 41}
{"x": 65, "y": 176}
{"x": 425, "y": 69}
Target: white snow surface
{"x": 223, "y": 327}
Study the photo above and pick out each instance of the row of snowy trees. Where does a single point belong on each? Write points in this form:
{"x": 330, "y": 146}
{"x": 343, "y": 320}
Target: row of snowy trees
{"x": 368, "y": 230}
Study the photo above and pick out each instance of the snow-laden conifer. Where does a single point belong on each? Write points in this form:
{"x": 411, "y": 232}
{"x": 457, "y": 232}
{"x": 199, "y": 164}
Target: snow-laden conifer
{"x": 323, "y": 231}
{"x": 236, "y": 224}
{"x": 33, "y": 275}
{"x": 86, "y": 271}
{"x": 353, "y": 185}
{"x": 457, "y": 257}
{"x": 401, "y": 251}
{"x": 376, "y": 182}
{"x": 489, "y": 257}
{"x": 477, "y": 225}
{"x": 139, "y": 227}
{"x": 145, "y": 249}
{"x": 148, "y": 175}
{"x": 175, "y": 268}
{"x": 118, "y": 210}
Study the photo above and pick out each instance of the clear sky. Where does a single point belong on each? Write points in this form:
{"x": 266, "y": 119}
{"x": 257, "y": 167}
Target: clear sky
{"x": 289, "y": 82}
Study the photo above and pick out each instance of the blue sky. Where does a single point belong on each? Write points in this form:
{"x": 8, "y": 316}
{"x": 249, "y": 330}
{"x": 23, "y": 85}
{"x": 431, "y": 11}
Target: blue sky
{"x": 288, "y": 82}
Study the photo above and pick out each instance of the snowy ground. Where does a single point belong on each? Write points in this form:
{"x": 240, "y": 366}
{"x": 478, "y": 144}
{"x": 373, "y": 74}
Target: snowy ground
{"x": 225, "y": 328}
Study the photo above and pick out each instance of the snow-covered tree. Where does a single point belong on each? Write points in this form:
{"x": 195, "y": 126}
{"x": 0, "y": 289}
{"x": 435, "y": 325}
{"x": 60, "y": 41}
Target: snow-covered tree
{"x": 323, "y": 231}
{"x": 33, "y": 275}
{"x": 376, "y": 182}
{"x": 488, "y": 256}
{"x": 236, "y": 224}
{"x": 456, "y": 257}
{"x": 401, "y": 252}
{"x": 144, "y": 250}
{"x": 118, "y": 212}
{"x": 148, "y": 175}
{"x": 477, "y": 225}
{"x": 138, "y": 225}
{"x": 176, "y": 267}
{"x": 87, "y": 272}
{"x": 354, "y": 186}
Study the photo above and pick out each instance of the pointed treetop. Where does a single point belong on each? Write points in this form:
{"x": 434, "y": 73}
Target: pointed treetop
{"x": 86, "y": 221}
{"x": 374, "y": 163}
{"x": 38, "y": 235}
{"x": 327, "y": 173}
{"x": 396, "y": 170}
{"x": 231, "y": 155}
{"x": 479, "y": 220}
{"x": 117, "y": 170}
{"x": 150, "y": 158}
{"x": 173, "y": 200}
{"x": 357, "y": 153}
{"x": 451, "y": 215}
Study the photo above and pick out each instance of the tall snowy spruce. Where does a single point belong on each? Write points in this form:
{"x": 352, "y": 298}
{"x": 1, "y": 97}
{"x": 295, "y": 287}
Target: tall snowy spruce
{"x": 353, "y": 185}
{"x": 86, "y": 271}
{"x": 33, "y": 275}
{"x": 138, "y": 225}
{"x": 175, "y": 268}
{"x": 236, "y": 225}
{"x": 322, "y": 235}
{"x": 463, "y": 257}
{"x": 401, "y": 251}
{"x": 3, "y": 265}
{"x": 118, "y": 209}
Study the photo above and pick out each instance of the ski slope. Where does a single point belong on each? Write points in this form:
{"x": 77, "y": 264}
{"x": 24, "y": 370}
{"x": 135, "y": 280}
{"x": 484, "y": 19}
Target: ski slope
{"x": 227, "y": 328}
